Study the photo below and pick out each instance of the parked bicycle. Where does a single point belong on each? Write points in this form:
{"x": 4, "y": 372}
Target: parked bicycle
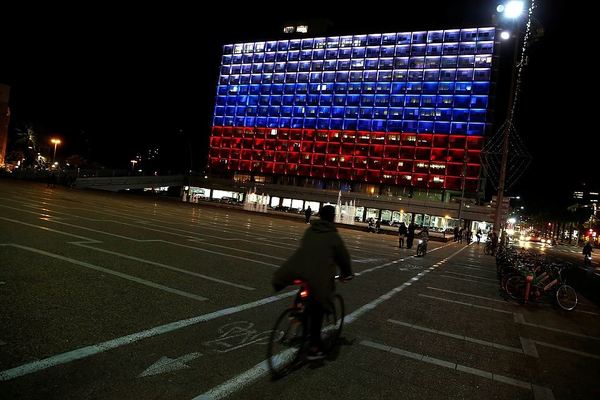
{"x": 533, "y": 285}
{"x": 289, "y": 338}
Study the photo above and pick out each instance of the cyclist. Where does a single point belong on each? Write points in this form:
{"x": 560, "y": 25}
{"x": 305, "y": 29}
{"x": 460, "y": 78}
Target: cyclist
{"x": 321, "y": 248}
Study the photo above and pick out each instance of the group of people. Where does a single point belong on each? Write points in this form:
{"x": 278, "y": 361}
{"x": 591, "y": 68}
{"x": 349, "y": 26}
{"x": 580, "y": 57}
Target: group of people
{"x": 461, "y": 233}
{"x": 408, "y": 233}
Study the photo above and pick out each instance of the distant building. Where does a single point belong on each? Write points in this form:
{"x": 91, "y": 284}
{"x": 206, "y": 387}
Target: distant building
{"x": 396, "y": 121}
{"x": 4, "y": 119}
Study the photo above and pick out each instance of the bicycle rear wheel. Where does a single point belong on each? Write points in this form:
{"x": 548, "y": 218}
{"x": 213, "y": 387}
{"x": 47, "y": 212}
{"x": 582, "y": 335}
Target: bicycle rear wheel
{"x": 333, "y": 322}
{"x": 285, "y": 342}
{"x": 566, "y": 297}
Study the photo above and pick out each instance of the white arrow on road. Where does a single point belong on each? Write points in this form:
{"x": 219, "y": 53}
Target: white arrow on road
{"x": 166, "y": 364}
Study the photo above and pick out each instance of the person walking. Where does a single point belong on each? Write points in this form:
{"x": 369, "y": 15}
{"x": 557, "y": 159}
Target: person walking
{"x": 307, "y": 214}
{"x": 410, "y": 236}
{"x": 402, "y": 231}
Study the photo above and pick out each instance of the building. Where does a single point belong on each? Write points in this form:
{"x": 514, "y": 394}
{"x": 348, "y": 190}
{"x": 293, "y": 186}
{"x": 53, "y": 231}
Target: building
{"x": 394, "y": 121}
{"x": 4, "y": 119}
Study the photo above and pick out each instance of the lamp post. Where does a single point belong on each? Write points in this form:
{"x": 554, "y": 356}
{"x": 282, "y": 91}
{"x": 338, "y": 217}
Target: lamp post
{"x": 55, "y": 142}
{"x": 513, "y": 10}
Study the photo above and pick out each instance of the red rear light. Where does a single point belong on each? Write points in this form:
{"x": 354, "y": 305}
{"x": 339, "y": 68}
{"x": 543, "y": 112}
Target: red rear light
{"x": 297, "y": 281}
{"x": 304, "y": 294}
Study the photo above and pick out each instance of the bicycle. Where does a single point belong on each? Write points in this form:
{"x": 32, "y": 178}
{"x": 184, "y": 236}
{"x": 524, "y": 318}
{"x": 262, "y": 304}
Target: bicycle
{"x": 288, "y": 341}
{"x": 549, "y": 283}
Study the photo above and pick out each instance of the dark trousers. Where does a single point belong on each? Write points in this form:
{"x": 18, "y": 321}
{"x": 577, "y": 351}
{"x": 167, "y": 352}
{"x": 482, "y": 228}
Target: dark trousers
{"x": 315, "y": 319}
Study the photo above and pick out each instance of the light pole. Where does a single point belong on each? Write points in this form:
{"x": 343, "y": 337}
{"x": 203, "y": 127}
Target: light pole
{"x": 55, "y": 142}
{"x": 513, "y": 10}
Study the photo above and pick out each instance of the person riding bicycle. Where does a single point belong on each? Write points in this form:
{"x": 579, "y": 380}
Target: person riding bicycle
{"x": 422, "y": 246}
{"x": 321, "y": 249}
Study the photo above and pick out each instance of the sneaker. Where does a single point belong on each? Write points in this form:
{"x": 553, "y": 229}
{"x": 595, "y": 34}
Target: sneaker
{"x": 313, "y": 355}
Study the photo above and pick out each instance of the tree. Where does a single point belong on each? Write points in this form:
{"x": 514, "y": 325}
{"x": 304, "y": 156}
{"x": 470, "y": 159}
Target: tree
{"x": 27, "y": 142}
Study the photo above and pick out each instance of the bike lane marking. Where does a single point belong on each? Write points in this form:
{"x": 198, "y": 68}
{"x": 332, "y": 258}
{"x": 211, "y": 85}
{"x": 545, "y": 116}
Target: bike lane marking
{"x": 91, "y": 350}
{"x": 88, "y": 351}
{"x": 539, "y": 392}
{"x": 261, "y": 369}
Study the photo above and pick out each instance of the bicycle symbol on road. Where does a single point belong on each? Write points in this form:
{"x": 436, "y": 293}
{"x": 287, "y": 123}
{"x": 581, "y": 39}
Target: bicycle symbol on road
{"x": 236, "y": 335}
{"x": 410, "y": 267}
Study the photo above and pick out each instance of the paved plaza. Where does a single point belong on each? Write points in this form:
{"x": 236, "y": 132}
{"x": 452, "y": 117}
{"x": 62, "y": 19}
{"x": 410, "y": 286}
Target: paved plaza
{"x": 114, "y": 296}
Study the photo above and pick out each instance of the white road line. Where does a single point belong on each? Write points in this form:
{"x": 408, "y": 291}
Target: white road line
{"x": 580, "y": 353}
{"x": 88, "y": 351}
{"x": 458, "y": 367}
{"x": 468, "y": 280}
{"x": 468, "y": 295}
{"x": 465, "y": 304}
{"x": 141, "y": 241}
{"x": 528, "y": 346}
{"x": 455, "y": 336}
{"x": 248, "y": 377}
{"x": 157, "y": 230}
{"x": 473, "y": 268}
{"x": 169, "y": 267}
{"x": 520, "y": 319}
{"x": 471, "y": 276}
{"x": 108, "y": 271}
{"x": 496, "y": 300}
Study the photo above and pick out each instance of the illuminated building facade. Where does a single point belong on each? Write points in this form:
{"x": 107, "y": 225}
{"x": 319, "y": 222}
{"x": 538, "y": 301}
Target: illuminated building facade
{"x": 400, "y": 109}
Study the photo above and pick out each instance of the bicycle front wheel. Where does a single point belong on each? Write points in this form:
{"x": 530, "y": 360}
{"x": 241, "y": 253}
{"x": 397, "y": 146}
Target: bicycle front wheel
{"x": 333, "y": 322}
{"x": 566, "y": 297}
{"x": 285, "y": 342}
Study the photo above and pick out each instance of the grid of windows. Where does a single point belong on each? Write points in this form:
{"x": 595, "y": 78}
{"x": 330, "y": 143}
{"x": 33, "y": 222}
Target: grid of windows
{"x": 422, "y": 160}
{"x": 428, "y": 82}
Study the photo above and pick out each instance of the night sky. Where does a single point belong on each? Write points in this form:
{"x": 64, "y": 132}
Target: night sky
{"x": 112, "y": 81}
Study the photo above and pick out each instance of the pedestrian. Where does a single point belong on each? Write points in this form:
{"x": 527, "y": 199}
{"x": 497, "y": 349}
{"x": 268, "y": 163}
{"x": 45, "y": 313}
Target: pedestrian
{"x": 587, "y": 253}
{"x": 460, "y": 235}
{"x": 371, "y": 226}
{"x": 402, "y": 231}
{"x": 377, "y": 226}
{"x": 478, "y": 235}
{"x": 410, "y": 236}
{"x": 469, "y": 235}
{"x": 307, "y": 214}
{"x": 456, "y": 233}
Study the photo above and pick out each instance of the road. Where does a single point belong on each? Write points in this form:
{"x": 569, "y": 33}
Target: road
{"x": 108, "y": 296}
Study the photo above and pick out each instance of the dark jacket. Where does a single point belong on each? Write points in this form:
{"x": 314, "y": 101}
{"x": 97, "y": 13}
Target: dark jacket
{"x": 321, "y": 248}
{"x": 402, "y": 230}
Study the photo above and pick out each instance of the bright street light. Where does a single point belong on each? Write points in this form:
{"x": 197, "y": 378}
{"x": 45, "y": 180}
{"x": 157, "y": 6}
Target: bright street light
{"x": 505, "y": 35}
{"x": 55, "y": 142}
{"x": 514, "y": 8}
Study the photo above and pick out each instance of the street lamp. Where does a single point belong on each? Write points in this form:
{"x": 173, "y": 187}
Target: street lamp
{"x": 133, "y": 162}
{"x": 55, "y": 142}
{"x": 511, "y": 10}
